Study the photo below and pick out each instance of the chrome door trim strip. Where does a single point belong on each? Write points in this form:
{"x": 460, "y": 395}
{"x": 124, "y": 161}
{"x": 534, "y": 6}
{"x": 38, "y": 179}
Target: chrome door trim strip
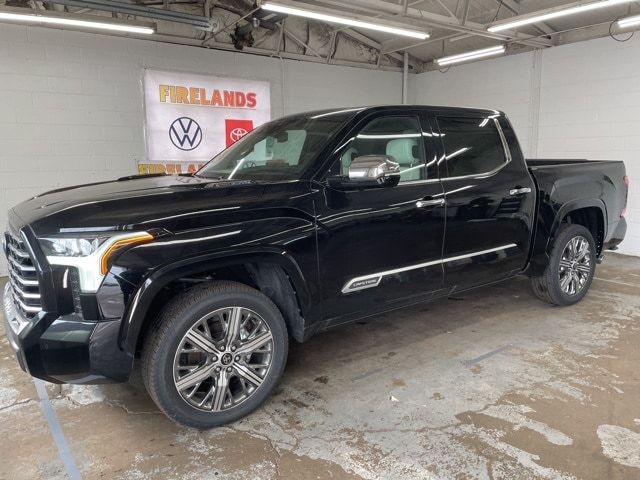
{"x": 505, "y": 144}
{"x": 374, "y": 279}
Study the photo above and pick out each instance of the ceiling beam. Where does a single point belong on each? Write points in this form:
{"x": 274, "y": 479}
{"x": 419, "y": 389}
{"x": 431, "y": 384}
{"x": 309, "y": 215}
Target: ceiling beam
{"x": 390, "y": 49}
{"x": 465, "y": 12}
{"x": 332, "y": 46}
{"x": 375, "y": 45}
{"x": 446, "y": 9}
{"x": 269, "y": 52}
{"x": 302, "y": 43}
{"x": 510, "y": 4}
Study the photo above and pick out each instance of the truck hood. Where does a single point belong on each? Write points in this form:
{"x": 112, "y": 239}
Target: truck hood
{"x": 138, "y": 202}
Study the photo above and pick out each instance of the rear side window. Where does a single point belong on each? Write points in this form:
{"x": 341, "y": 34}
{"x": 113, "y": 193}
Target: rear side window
{"x": 472, "y": 146}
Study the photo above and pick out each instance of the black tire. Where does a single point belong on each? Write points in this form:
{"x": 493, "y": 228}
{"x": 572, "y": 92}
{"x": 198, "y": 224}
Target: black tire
{"x": 176, "y": 319}
{"x": 547, "y": 287}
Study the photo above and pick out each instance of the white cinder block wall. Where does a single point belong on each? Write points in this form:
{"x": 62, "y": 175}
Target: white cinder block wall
{"x": 72, "y": 108}
{"x": 575, "y": 101}
{"x": 477, "y": 85}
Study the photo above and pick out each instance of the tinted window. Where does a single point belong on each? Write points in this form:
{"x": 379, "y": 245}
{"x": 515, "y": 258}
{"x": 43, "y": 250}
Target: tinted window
{"x": 286, "y": 149}
{"x": 279, "y": 150}
{"x": 398, "y": 137}
{"x": 472, "y": 145}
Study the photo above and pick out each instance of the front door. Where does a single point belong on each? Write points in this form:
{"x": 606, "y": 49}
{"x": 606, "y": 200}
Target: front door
{"x": 380, "y": 247}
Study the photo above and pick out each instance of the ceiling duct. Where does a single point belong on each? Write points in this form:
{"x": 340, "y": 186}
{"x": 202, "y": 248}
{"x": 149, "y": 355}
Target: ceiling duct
{"x": 196, "y": 21}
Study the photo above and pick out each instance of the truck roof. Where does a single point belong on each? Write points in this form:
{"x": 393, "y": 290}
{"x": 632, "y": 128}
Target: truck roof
{"x": 367, "y": 109}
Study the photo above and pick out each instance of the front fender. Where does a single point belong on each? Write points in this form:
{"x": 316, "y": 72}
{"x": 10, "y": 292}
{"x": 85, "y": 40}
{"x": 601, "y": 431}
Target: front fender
{"x": 136, "y": 311}
{"x": 288, "y": 241}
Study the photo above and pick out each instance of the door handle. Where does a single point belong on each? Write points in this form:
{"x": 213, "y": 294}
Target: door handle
{"x": 430, "y": 203}
{"x": 519, "y": 191}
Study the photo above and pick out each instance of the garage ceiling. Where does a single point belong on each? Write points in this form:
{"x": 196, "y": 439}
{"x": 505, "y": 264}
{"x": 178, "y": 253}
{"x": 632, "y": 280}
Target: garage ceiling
{"x": 454, "y": 26}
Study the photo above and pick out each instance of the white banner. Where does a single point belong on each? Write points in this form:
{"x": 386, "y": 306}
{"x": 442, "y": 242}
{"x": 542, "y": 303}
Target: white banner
{"x": 190, "y": 118}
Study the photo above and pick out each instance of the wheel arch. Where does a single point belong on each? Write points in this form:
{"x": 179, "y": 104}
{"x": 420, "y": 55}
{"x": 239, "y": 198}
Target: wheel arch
{"x": 590, "y": 213}
{"x": 272, "y": 271}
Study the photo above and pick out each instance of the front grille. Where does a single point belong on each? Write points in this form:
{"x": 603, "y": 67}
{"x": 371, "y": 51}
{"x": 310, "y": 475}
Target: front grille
{"x": 22, "y": 277}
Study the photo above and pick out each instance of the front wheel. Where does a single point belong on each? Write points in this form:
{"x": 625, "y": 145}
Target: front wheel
{"x": 216, "y": 354}
{"x": 571, "y": 267}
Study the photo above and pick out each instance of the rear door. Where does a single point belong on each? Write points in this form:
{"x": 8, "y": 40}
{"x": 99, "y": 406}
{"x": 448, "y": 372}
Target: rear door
{"x": 490, "y": 199}
{"x": 381, "y": 247}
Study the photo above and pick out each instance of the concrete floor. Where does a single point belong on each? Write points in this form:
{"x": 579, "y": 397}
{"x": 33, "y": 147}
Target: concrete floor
{"x": 489, "y": 384}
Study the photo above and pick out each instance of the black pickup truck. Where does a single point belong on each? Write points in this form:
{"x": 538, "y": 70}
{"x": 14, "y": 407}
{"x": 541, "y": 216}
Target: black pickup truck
{"x": 309, "y": 222}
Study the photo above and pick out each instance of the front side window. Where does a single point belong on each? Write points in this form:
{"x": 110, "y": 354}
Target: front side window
{"x": 397, "y": 137}
{"x": 283, "y": 149}
{"x": 472, "y": 146}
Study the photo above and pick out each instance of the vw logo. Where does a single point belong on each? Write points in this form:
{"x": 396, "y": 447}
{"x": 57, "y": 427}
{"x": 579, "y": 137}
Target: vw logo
{"x": 237, "y": 133}
{"x": 185, "y": 133}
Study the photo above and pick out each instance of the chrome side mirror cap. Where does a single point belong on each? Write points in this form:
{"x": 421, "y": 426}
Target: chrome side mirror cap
{"x": 374, "y": 171}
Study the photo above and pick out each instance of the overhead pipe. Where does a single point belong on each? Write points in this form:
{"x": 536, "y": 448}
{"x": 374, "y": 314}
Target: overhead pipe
{"x": 405, "y": 79}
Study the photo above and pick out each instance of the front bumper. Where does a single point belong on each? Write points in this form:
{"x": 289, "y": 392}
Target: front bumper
{"x": 66, "y": 349}
{"x": 12, "y": 327}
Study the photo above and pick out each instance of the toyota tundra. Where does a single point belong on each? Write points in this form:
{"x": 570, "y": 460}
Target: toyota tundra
{"x": 309, "y": 222}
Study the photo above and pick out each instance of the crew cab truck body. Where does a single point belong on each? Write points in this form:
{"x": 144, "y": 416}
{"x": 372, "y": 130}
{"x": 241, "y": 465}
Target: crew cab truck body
{"x": 309, "y": 222}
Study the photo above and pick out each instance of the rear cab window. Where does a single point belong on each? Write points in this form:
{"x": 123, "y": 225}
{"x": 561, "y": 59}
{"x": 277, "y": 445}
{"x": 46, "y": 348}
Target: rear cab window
{"x": 472, "y": 146}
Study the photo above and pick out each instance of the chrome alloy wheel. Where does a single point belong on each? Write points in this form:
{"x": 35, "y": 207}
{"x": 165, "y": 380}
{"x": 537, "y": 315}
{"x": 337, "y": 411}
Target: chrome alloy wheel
{"x": 223, "y": 359}
{"x": 575, "y": 265}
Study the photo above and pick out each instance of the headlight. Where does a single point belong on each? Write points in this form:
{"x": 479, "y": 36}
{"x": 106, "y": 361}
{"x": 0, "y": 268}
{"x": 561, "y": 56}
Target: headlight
{"x": 71, "y": 247}
{"x": 89, "y": 253}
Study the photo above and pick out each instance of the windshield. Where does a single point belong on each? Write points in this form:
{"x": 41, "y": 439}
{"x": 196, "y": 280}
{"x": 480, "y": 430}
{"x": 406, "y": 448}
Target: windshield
{"x": 279, "y": 150}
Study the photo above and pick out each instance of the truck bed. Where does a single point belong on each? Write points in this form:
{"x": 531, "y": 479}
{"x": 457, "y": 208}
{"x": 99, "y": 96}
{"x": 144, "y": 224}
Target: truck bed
{"x": 563, "y": 182}
{"x": 554, "y": 162}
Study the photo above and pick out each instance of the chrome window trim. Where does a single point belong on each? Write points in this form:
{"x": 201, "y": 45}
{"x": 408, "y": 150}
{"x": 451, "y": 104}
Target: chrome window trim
{"x": 418, "y": 182}
{"x": 490, "y": 173}
{"x": 505, "y": 145}
{"x": 373, "y": 279}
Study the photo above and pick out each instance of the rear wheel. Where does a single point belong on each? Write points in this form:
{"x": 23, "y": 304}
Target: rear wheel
{"x": 571, "y": 267}
{"x": 216, "y": 354}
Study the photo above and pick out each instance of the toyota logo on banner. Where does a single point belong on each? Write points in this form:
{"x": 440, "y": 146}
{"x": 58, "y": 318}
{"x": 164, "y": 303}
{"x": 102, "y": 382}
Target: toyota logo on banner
{"x": 185, "y": 133}
{"x": 237, "y": 133}
{"x": 235, "y": 129}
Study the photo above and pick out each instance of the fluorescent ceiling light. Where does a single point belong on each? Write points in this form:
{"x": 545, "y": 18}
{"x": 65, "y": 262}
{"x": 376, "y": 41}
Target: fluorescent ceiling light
{"x": 140, "y": 10}
{"x": 274, "y": 7}
{"x": 463, "y": 57}
{"x": 49, "y": 19}
{"x": 629, "y": 22}
{"x": 578, "y": 7}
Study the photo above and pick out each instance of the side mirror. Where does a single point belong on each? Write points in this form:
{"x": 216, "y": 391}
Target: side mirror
{"x": 374, "y": 171}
